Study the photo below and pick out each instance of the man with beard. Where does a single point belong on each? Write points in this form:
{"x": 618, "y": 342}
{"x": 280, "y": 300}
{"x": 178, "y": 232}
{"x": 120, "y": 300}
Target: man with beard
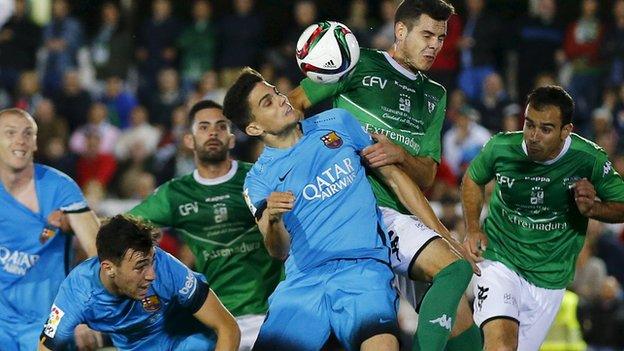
{"x": 206, "y": 208}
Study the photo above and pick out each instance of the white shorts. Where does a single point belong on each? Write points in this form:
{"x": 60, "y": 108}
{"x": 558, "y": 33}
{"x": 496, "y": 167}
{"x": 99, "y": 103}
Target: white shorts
{"x": 501, "y": 293}
{"x": 249, "y": 326}
{"x": 408, "y": 237}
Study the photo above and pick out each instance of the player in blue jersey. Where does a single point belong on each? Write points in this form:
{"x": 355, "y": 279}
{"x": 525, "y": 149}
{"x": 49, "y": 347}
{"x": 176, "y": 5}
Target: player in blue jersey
{"x": 144, "y": 298}
{"x": 34, "y": 254}
{"x": 316, "y": 209}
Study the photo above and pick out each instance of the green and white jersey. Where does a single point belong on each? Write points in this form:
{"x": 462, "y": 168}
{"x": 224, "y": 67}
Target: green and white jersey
{"x": 533, "y": 225}
{"x": 388, "y": 99}
{"x": 213, "y": 219}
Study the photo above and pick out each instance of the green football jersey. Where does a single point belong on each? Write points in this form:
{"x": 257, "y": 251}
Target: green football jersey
{"x": 388, "y": 99}
{"x": 533, "y": 225}
{"x": 213, "y": 219}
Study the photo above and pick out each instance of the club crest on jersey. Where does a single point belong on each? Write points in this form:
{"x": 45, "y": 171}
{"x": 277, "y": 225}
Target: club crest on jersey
{"x": 431, "y": 106}
{"x": 332, "y": 140}
{"x": 151, "y": 303}
{"x": 47, "y": 233}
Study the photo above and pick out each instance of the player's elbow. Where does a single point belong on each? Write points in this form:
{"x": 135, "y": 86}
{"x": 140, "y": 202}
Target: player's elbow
{"x": 427, "y": 181}
{"x": 276, "y": 249}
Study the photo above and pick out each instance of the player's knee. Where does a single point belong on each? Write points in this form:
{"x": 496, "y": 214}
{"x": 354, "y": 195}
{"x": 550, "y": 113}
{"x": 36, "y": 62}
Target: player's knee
{"x": 459, "y": 271}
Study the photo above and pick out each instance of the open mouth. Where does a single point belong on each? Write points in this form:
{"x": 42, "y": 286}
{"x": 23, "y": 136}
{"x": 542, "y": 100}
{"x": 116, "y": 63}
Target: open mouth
{"x": 19, "y": 153}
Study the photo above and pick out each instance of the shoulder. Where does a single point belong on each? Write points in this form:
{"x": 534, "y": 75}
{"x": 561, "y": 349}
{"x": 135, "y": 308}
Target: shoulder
{"x": 244, "y": 167}
{"x": 328, "y": 119}
{"x": 49, "y": 174}
{"x": 432, "y": 87}
{"x": 585, "y": 145}
{"x": 83, "y": 280}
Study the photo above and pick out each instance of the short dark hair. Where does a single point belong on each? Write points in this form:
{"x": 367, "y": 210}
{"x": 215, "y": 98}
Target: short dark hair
{"x": 553, "y": 95}
{"x": 235, "y": 105}
{"x": 122, "y": 233}
{"x": 409, "y": 11}
{"x": 201, "y": 105}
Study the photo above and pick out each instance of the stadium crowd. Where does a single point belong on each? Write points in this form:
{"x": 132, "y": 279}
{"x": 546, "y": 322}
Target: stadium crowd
{"x": 110, "y": 83}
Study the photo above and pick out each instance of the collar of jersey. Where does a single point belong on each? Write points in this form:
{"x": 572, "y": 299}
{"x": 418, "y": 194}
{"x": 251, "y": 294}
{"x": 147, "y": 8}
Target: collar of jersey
{"x": 404, "y": 71}
{"x": 565, "y": 148}
{"x": 222, "y": 179}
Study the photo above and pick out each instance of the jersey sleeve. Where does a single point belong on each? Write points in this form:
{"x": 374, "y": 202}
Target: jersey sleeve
{"x": 430, "y": 145}
{"x": 71, "y": 199}
{"x": 155, "y": 208}
{"x": 65, "y": 315}
{"x": 481, "y": 169}
{"x": 354, "y": 129}
{"x": 317, "y": 92}
{"x": 608, "y": 183}
{"x": 188, "y": 288}
{"x": 255, "y": 194}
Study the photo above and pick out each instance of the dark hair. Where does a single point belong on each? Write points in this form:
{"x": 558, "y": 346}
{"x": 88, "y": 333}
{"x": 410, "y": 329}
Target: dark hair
{"x": 122, "y": 233}
{"x": 409, "y": 11}
{"x": 201, "y": 105}
{"x": 553, "y": 95}
{"x": 235, "y": 105}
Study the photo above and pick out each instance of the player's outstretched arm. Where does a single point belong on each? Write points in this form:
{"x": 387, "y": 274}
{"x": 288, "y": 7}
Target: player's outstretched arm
{"x": 384, "y": 152}
{"x": 85, "y": 225}
{"x": 472, "y": 203}
{"x": 271, "y": 224}
{"x": 298, "y": 99}
{"x": 585, "y": 198}
{"x": 215, "y": 316}
{"x": 415, "y": 201}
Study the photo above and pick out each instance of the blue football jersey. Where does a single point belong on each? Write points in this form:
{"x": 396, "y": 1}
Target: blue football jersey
{"x": 335, "y": 214}
{"x": 157, "y": 322}
{"x": 34, "y": 259}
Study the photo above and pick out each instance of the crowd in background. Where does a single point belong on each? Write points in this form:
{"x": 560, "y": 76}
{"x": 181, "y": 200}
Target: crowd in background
{"x": 110, "y": 82}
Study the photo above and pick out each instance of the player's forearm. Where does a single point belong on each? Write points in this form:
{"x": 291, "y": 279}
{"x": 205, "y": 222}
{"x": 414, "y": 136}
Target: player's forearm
{"x": 412, "y": 198}
{"x": 472, "y": 203}
{"x": 85, "y": 225}
{"x": 609, "y": 212}
{"x": 228, "y": 336}
{"x": 276, "y": 237}
{"x": 421, "y": 170}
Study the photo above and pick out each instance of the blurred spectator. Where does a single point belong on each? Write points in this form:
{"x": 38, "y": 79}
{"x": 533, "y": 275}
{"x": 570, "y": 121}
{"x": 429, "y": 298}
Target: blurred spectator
{"x": 28, "y": 94}
{"x": 72, "y": 101}
{"x": 478, "y": 44}
{"x": 156, "y": 45}
{"x": 493, "y": 100}
{"x": 162, "y": 101}
{"x": 131, "y": 168}
{"x": 111, "y": 45}
{"x": 62, "y": 38}
{"x": 384, "y": 36}
{"x": 539, "y": 38}
{"x": 207, "y": 89}
{"x": 618, "y": 114}
{"x": 97, "y": 124}
{"x": 359, "y": 22}
{"x": 543, "y": 79}
{"x": 55, "y": 154}
{"x": 602, "y": 123}
{"x": 173, "y": 159}
{"x": 464, "y": 140}
{"x": 446, "y": 65}
{"x": 582, "y": 48}
{"x": 565, "y": 331}
{"x": 449, "y": 215}
{"x": 614, "y": 45}
{"x": 20, "y": 38}
{"x": 140, "y": 133}
{"x": 49, "y": 125}
{"x": 119, "y": 101}
{"x": 602, "y": 319}
{"x": 241, "y": 37}
{"x": 197, "y": 45}
{"x": 94, "y": 166}
{"x": 591, "y": 271}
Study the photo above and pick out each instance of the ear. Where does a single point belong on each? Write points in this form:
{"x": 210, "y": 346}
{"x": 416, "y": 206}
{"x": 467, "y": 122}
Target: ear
{"x": 108, "y": 268}
{"x": 400, "y": 31}
{"x": 232, "y": 141}
{"x": 253, "y": 129}
{"x": 566, "y": 130}
{"x": 187, "y": 139}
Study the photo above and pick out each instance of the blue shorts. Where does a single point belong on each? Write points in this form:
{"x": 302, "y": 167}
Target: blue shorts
{"x": 354, "y": 299}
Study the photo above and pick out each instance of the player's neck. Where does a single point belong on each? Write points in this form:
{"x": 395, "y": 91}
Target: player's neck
{"x": 399, "y": 58}
{"x": 13, "y": 181}
{"x": 213, "y": 170}
{"x": 108, "y": 284}
{"x": 284, "y": 140}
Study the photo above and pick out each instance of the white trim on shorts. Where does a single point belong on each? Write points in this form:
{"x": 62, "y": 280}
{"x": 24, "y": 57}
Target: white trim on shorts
{"x": 249, "y": 326}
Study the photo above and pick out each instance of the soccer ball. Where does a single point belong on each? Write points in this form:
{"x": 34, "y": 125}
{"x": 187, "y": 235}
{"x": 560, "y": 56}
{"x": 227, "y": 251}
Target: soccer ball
{"x": 326, "y": 51}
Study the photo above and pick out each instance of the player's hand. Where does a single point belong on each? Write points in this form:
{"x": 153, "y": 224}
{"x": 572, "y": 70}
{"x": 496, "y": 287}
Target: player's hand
{"x": 87, "y": 339}
{"x": 59, "y": 219}
{"x": 463, "y": 252}
{"x": 584, "y": 196}
{"x": 475, "y": 244}
{"x": 278, "y": 203}
{"x": 383, "y": 153}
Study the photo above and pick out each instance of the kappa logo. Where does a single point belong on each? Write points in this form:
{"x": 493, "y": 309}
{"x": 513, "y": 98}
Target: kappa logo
{"x": 332, "y": 140}
{"x": 151, "y": 303}
{"x": 394, "y": 244}
{"x": 606, "y": 168}
{"x": 444, "y": 321}
{"x": 481, "y": 296}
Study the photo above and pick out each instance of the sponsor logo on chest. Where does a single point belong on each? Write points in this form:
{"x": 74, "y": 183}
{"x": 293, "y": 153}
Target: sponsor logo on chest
{"x": 16, "y": 262}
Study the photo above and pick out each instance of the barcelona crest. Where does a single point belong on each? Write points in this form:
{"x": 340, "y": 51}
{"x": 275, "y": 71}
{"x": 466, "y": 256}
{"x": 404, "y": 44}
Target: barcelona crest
{"x": 47, "y": 233}
{"x": 332, "y": 140}
{"x": 151, "y": 303}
